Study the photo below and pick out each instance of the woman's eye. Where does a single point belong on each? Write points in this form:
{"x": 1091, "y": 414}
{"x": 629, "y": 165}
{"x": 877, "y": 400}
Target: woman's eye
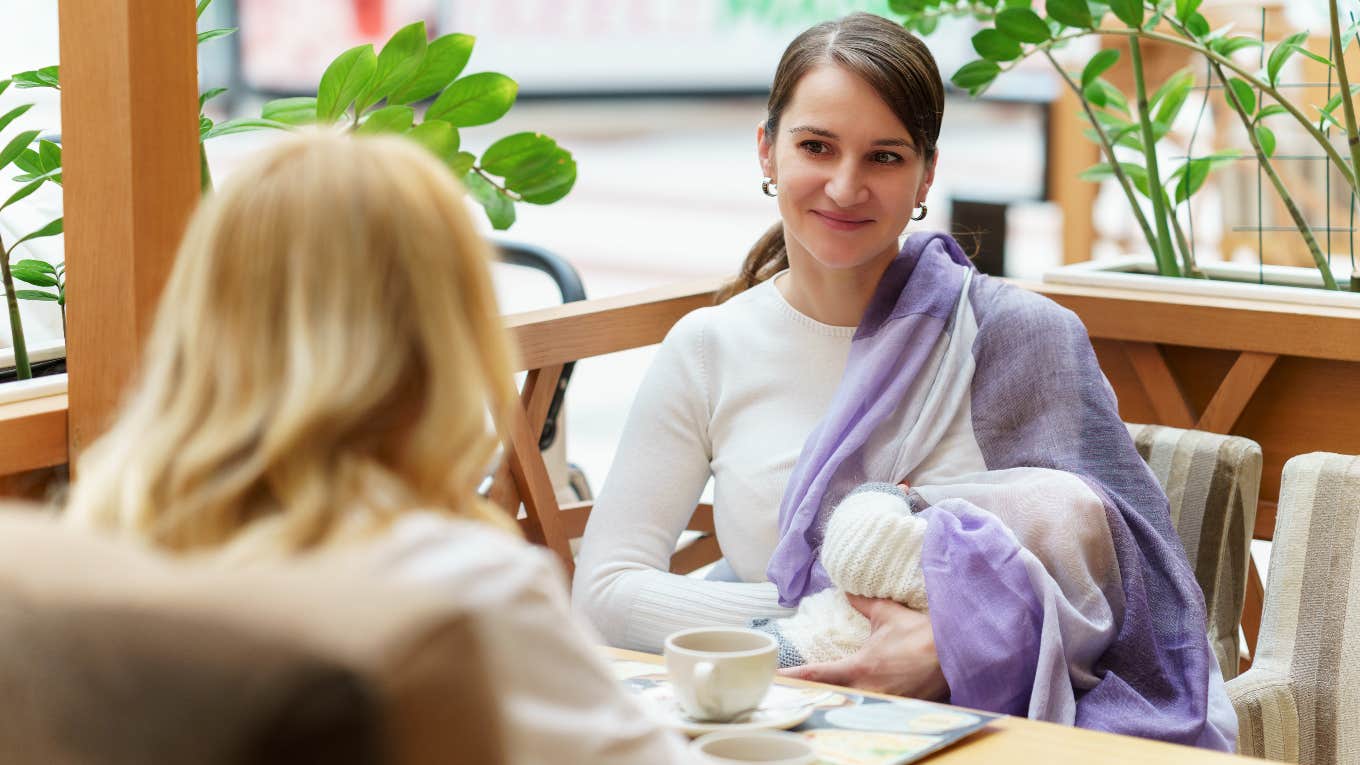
{"x": 815, "y": 147}
{"x": 886, "y": 157}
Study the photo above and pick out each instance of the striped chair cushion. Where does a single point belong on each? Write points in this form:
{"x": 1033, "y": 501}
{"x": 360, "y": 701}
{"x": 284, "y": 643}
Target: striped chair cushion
{"x": 1300, "y": 701}
{"x": 1212, "y": 481}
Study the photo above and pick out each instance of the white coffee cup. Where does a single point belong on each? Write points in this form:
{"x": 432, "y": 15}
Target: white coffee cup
{"x": 720, "y": 672}
{"x": 765, "y": 746}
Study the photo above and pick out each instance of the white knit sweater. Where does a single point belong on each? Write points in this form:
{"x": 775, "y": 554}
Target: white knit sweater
{"x": 733, "y": 393}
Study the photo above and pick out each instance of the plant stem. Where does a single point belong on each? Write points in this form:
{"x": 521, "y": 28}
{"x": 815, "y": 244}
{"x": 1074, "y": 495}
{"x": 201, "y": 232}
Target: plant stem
{"x": 1166, "y": 259}
{"x": 205, "y": 181}
{"x": 1343, "y": 79}
{"x": 1300, "y": 223}
{"x": 22, "y": 369}
{"x": 1108, "y": 148}
{"x": 1187, "y": 254}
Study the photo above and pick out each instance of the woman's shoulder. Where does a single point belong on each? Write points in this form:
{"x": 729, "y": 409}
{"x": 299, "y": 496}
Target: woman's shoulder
{"x": 479, "y": 561}
{"x": 1001, "y": 307}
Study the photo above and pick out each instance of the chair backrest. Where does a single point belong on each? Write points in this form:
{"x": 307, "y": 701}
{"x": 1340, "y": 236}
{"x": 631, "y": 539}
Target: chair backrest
{"x": 112, "y": 654}
{"x": 550, "y": 339}
{"x": 1301, "y": 698}
{"x": 1213, "y": 482}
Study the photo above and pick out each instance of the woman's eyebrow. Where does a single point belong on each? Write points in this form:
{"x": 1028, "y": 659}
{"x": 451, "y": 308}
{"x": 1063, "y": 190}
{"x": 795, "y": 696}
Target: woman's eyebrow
{"x": 828, "y": 134}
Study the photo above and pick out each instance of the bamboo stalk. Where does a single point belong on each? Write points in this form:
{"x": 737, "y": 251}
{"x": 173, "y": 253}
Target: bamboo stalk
{"x": 1343, "y": 79}
{"x": 22, "y": 369}
{"x": 1166, "y": 259}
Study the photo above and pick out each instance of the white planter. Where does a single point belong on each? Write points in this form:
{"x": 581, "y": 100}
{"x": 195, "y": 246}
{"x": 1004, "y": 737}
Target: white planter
{"x": 22, "y": 390}
{"x": 1287, "y": 284}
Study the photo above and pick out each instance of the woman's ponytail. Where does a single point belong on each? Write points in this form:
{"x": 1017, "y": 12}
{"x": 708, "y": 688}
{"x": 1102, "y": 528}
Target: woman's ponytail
{"x": 767, "y": 258}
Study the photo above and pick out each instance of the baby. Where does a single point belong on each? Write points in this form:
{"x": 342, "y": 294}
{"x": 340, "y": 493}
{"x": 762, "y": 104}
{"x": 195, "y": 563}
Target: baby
{"x": 872, "y": 547}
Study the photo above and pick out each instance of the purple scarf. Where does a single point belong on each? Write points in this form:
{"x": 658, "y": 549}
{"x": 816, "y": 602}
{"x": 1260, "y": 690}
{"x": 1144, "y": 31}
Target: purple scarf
{"x": 1038, "y": 400}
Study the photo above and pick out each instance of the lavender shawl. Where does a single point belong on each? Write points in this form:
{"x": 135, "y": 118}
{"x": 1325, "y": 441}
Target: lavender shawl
{"x": 1079, "y": 607}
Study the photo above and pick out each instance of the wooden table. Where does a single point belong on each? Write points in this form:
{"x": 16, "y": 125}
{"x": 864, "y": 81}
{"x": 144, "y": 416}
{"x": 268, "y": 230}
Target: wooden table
{"x": 1014, "y": 740}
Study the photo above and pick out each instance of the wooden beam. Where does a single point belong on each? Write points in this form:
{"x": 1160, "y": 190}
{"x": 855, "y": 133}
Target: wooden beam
{"x": 1235, "y": 392}
{"x": 130, "y": 153}
{"x": 1069, "y": 153}
{"x": 596, "y": 327}
{"x": 1204, "y": 322}
{"x": 34, "y": 434}
{"x": 1159, "y": 384}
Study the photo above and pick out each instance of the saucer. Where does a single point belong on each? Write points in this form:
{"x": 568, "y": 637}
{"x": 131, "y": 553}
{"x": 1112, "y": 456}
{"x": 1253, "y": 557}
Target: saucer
{"x": 774, "y": 713}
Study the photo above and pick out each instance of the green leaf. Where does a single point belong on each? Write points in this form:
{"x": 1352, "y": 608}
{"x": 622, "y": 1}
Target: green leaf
{"x": 1198, "y": 25}
{"x": 976, "y": 75}
{"x": 16, "y": 145}
{"x": 1103, "y": 94}
{"x": 346, "y": 77}
{"x": 994, "y": 45}
{"x": 33, "y": 276}
{"x": 40, "y": 266}
{"x": 1070, "y": 13}
{"x": 444, "y": 61}
{"x": 213, "y": 34}
{"x": 202, "y": 6}
{"x": 389, "y": 119}
{"x": 204, "y": 126}
{"x": 4, "y": 84}
{"x": 35, "y": 295}
{"x": 438, "y": 136}
{"x": 1136, "y": 174}
{"x": 545, "y": 184}
{"x": 1098, "y": 65}
{"x": 1193, "y": 173}
{"x": 1023, "y": 24}
{"x": 209, "y": 95}
{"x": 1327, "y": 62}
{"x": 1170, "y": 97}
{"x": 245, "y": 125}
{"x": 500, "y": 210}
{"x": 291, "y": 111}
{"x": 24, "y": 191}
{"x": 51, "y": 229}
{"x": 398, "y": 62}
{"x": 462, "y": 162}
{"x": 1186, "y": 7}
{"x": 1226, "y": 46}
{"x": 1129, "y": 11}
{"x": 519, "y": 154}
{"x": 906, "y": 7}
{"x": 13, "y": 114}
{"x": 49, "y": 155}
{"x": 1266, "y": 137}
{"x": 46, "y": 77}
{"x": 1281, "y": 54}
{"x": 475, "y": 100}
{"x": 1271, "y": 111}
{"x": 1245, "y": 95}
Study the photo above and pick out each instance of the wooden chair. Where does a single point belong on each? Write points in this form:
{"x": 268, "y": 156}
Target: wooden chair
{"x": 1212, "y": 481}
{"x": 1298, "y": 701}
{"x": 548, "y": 340}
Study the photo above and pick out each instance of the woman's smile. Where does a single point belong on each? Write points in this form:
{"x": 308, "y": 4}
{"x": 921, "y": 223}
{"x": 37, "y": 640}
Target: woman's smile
{"x": 842, "y": 222}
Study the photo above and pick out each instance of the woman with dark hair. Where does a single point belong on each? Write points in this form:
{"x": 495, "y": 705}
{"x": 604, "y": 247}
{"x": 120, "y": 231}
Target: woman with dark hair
{"x": 842, "y": 366}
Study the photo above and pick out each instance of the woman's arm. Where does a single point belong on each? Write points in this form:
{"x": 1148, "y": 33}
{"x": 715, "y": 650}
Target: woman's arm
{"x": 623, "y": 584}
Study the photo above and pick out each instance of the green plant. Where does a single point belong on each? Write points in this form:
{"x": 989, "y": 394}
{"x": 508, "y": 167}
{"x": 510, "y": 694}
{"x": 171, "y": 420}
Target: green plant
{"x": 376, "y": 92}
{"x": 1017, "y": 32}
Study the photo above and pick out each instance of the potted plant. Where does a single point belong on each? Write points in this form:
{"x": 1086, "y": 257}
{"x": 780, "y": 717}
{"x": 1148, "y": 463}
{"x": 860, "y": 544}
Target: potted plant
{"x": 1129, "y": 128}
{"x": 364, "y": 90}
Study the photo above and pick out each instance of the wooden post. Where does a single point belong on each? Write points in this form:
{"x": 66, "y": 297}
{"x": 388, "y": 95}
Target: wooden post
{"x": 129, "y": 107}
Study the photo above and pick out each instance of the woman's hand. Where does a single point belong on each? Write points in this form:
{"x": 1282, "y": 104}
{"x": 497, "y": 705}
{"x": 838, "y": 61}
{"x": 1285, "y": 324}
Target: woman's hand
{"x": 899, "y": 656}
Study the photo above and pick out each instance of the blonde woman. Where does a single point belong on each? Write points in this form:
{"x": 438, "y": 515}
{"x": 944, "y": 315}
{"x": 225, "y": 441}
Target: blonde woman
{"x": 320, "y": 373}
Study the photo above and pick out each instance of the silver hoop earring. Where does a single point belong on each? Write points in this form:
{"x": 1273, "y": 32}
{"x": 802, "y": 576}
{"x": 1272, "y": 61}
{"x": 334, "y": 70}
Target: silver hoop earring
{"x": 921, "y": 215}
{"x": 768, "y": 186}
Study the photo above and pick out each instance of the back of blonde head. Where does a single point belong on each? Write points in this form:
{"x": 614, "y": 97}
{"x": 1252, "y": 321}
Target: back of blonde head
{"x": 324, "y": 358}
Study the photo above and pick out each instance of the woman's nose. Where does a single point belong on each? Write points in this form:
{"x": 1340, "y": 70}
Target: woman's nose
{"x": 846, "y": 186}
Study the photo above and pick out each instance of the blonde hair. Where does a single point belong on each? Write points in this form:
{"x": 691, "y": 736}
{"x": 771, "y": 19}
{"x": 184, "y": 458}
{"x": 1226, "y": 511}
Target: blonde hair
{"x": 324, "y": 358}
